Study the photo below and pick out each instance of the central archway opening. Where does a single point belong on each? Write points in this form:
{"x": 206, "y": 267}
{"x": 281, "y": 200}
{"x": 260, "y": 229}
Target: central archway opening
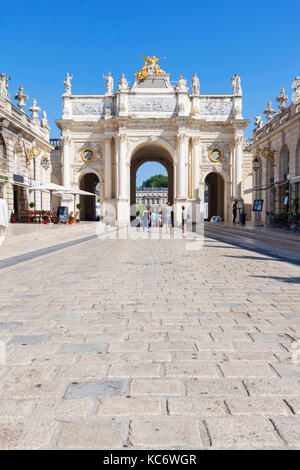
{"x": 90, "y": 205}
{"x": 214, "y": 196}
{"x": 153, "y": 197}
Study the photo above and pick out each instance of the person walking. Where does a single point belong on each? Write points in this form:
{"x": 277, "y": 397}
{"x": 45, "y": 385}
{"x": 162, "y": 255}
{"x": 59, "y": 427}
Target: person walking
{"x": 153, "y": 219}
{"x": 160, "y": 222}
{"x": 168, "y": 216}
{"x": 234, "y": 210}
{"x": 183, "y": 219}
{"x": 145, "y": 218}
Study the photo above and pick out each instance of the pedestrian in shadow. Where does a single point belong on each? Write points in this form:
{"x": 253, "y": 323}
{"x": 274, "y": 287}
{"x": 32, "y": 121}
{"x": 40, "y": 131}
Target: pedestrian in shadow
{"x": 234, "y": 210}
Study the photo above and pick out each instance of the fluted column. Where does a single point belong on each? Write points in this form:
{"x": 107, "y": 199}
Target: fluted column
{"x": 182, "y": 166}
{"x": 108, "y": 169}
{"x": 196, "y": 167}
{"x": 123, "y": 192}
{"x": 238, "y": 166}
{"x": 66, "y": 160}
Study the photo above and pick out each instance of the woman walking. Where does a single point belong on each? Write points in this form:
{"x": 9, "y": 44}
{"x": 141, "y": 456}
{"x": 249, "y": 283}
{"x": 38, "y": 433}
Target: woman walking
{"x": 168, "y": 216}
{"x": 146, "y": 219}
{"x": 183, "y": 219}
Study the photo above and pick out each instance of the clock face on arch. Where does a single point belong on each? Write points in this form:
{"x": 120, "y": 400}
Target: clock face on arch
{"x": 215, "y": 154}
{"x": 87, "y": 155}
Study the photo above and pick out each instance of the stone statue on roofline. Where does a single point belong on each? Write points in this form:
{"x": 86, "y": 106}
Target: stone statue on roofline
{"x": 109, "y": 83}
{"x": 296, "y": 88}
{"x": 67, "y": 83}
{"x": 195, "y": 85}
{"x": 4, "y": 86}
{"x": 258, "y": 122}
{"x": 236, "y": 85}
{"x": 181, "y": 84}
{"x": 123, "y": 84}
{"x": 44, "y": 121}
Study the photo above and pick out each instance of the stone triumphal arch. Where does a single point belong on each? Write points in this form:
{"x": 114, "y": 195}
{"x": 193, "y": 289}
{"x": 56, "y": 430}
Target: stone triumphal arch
{"x": 197, "y": 137}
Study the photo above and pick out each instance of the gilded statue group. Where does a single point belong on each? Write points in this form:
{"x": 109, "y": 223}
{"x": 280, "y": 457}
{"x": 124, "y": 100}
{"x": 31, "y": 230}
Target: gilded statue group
{"x": 150, "y": 63}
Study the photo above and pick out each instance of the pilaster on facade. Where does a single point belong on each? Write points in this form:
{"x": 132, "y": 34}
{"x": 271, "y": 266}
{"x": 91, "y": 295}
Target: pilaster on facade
{"x": 123, "y": 167}
{"x": 108, "y": 167}
{"x": 196, "y": 143}
{"x": 66, "y": 143}
{"x": 183, "y": 140}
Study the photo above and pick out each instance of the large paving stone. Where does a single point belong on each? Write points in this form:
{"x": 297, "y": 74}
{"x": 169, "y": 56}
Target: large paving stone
{"x": 156, "y": 387}
{"x": 11, "y": 325}
{"x": 135, "y": 406}
{"x": 136, "y": 370}
{"x": 63, "y": 409}
{"x": 165, "y": 432}
{"x": 214, "y": 387}
{"x": 28, "y": 390}
{"x": 98, "y": 436}
{"x": 191, "y": 369}
{"x": 194, "y": 406}
{"x": 273, "y": 387}
{"x": 264, "y": 406}
{"x": 26, "y": 436}
{"x": 247, "y": 369}
{"x": 11, "y": 410}
{"x": 242, "y": 433}
{"x": 83, "y": 348}
{"x": 81, "y": 372}
{"x": 29, "y": 339}
{"x": 289, "y": 429}
{"x": 98, "y": 388}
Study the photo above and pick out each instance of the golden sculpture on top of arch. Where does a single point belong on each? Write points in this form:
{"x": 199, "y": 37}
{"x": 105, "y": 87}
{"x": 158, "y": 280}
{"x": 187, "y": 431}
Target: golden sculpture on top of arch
{"x": 150, "y": 67}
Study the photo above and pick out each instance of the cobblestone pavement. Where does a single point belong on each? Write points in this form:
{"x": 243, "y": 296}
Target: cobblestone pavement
{"x": 143, "y": 344}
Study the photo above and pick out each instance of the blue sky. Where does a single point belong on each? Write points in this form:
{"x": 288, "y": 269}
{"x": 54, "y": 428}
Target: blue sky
{"x": 41, "y": 41}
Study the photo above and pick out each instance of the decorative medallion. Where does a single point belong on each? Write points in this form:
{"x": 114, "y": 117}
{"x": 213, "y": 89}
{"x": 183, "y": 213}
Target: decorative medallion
{"x": 88, "y": 155}
{"x": 215, "y": 154}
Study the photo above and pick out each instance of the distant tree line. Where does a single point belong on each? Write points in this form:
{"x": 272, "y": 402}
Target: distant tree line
{"x": 155, "y": 181}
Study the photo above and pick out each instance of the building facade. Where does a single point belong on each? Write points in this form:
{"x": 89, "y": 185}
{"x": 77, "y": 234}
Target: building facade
{"x": 154, "y": 198}
{"x": 276, "y": 151}
{"x": 197, "y": 137}
{"x": 24, "y": 151}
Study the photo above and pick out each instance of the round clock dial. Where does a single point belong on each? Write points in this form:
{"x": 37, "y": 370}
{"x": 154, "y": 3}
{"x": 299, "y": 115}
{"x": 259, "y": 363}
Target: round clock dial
{"x": 87, "y": 155}
{"x": 215, "y": 154}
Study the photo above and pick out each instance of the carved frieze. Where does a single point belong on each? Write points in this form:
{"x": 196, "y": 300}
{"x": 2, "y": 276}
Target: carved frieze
{"x": 88, "y": 107}
{"x": 215, "y": 108}
{"x": 152, "y": 104}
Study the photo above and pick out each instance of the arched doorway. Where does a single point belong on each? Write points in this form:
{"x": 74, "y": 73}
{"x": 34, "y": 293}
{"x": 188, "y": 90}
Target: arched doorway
{"x": 89, "y": 182}
{"x": 214, "y": 195}
{"x": 150, "y": 153}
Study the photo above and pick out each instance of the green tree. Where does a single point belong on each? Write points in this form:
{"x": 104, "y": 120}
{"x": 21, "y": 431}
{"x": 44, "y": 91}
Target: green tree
{"x": 156, "y": 181}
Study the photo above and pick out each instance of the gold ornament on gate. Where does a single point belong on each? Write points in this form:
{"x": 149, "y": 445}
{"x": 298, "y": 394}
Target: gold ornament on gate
{"x": 32, "y": 153}
{"x": 150, "y": 67}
